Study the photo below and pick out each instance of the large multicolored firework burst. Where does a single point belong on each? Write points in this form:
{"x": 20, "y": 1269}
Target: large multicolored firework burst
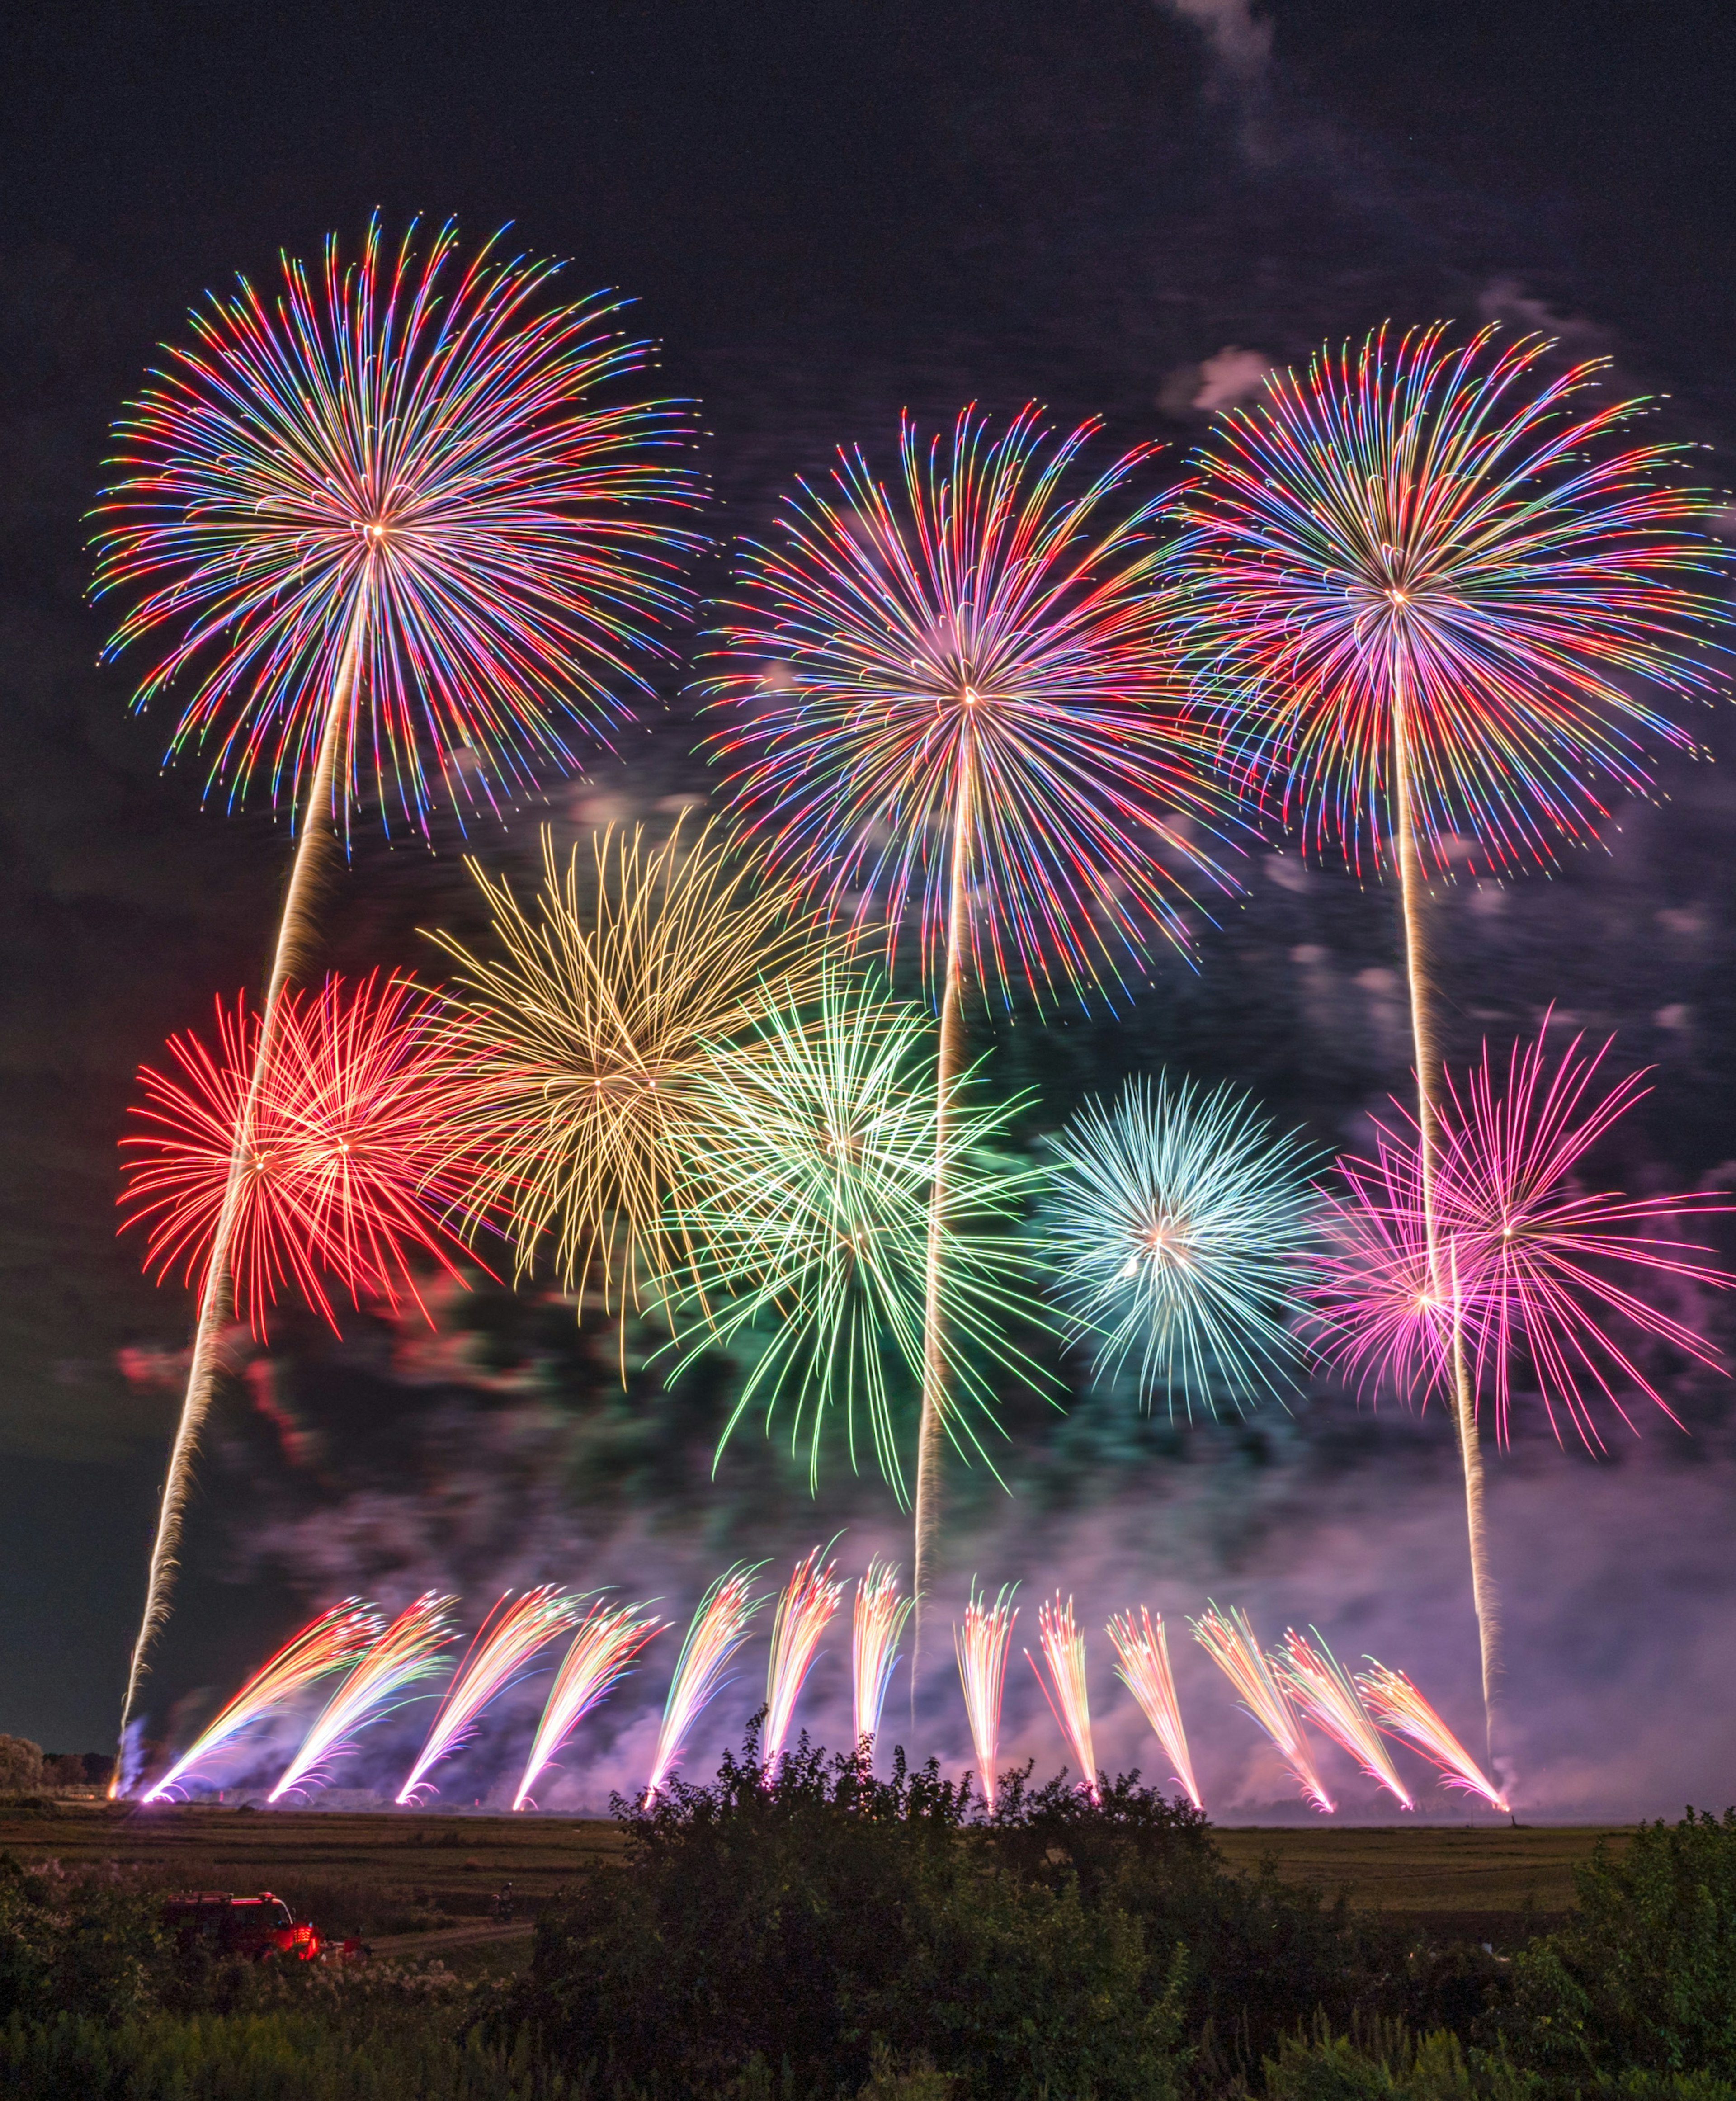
{"x": 813, "y": 1225}
{"x": 1425, "y": 590}
{"x": 394, "y": 543}
{"x": 580, "y": 1052}
{"x": 1178, "y": 1221}
{"x": 347, "y": 1173}
{"x": 953, "y": 703}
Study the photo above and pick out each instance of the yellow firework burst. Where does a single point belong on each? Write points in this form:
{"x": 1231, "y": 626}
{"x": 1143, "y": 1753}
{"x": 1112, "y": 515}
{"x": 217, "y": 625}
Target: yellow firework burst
{"x": 584, "y": 1041}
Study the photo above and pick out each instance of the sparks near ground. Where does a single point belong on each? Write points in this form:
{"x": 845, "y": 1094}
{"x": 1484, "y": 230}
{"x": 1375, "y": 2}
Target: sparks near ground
{"x": 1063, "y": 1648}
{"x": 333, "y": 1640}
{"x": 1231, "y": 1643}
{"x": 1328, "y": 1696}
{"x": 505, "y": 1646}
{"x": 1143, "y": 1668}
{"x": 408, "y": 1653}
{"x": 718, "y": 1628}
{"x": 981, "y": 1643}
{"x": 881, "y": 1612}
{"x": 607, "y": 1639}
{"x": 1400, "y": 1708}
{"x": 805, "y": 1606}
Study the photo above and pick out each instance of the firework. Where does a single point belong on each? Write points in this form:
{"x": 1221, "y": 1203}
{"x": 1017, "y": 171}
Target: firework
{"x": 981, "y": 1645}
{"x": 880, "y": 1617}
{"x": 809, "y": 1600}
{"x": 504, "y": 1644}
{"x": 1428, "y": 587}
{"x": 809, "y": 1242}
{"x": 333, "y": 1641}
{"x": 1063, "y": 1648}
{"x": 1144, "y": 1669}
{"x": 607, "y": 1639}
{"x": 580, "y": 1048}
{"x": 1229, "y": 1641}
{"x": 406, "y": 1654}
{"x": 956, "y": 698}
{"x": 718, "y": 1628}
{"x": 1328, "y": 1695}
{"x": 389, "y": 539}
{"x": 1399, "y": 1707}
{"x": 342, "y": 1180}
{"x": 1177, "y": 1220}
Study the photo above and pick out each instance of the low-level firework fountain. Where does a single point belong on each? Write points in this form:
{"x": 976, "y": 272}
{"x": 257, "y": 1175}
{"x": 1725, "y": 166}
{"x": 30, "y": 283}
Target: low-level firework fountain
{"x": 981, "y": 1643}
{"x": 408, "y": 1653}
{"x": 1402, "y": 1711}
{"x": 1328, "y": 1694}
{"x": 879, "y": 1616}
{"x": 607, "y": 1639}
{"x": 809, "y": 1599}
{"x": 506, "y": 1642}
{"x": 1144, "y": 1669}
{"x": 1063, "y": 1648}
{"x": 1229, "y": 1641}
{"x": 719, "y": 1627}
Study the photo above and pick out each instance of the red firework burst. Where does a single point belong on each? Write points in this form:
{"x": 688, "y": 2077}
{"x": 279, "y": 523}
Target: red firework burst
{"x": 335, "y": 1169}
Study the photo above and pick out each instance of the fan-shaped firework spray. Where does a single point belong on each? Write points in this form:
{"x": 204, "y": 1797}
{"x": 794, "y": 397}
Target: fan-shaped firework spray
{"x": 607, "y": 1639}
{"x": 814, "y": 1218}
{"x": 957, "y": 696}
{"x": 805, "y": 1609}
{"x": 398, "y": 545}
{"x": 1177, "y": 1220}
{"x": 1144, "y": 1669}
{"x": 981, "y": 1646}
{"x": 1328, "y": 1694}
{"x": 1426, "y": 587}
{"x": 333, "y": 1641}
{"x": 1063, "y": 1648}
{"x": 345, "y": 1176}
{"x": 879, "y": 1616}
{"x": 407, "y": 1653}
{"x": 504, "y": 1644}
{"x": 1230, "y": 1643}
{"x": 1399, "y": 1707}
{"x": 718, "y": 1628}
{"x": 578, "y": 1049}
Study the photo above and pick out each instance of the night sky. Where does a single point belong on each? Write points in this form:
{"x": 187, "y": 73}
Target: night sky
{"x": 828, "y": 213}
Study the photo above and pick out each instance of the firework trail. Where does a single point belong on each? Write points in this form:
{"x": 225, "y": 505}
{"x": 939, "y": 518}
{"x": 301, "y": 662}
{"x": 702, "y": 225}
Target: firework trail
{"x": 811, "y": 1235}
{"x": 1230, "y": 1641}
{"x": 1144, "y": 1669}
{"x": 331, "y": 1642}
{"x": 1400, "y": 1708}
{"x": 391, "y": 541}
{"x": 344, "y": 1179}
{"x": 955, "y": 694}
{"x": 607, "y": 1639}
{"x": 1063, "y": 1648}
{"x": 1177, "y": 1221}
{"x": 981, "y": 1646}
{"x": 809, "y": 1600}
{"x": 718, "y": 1628}
{"x": 879, "y": 1616}
{"x": 1422, "y": 584}
{"x": 406, "y": 1653}
{"x": 1328, "y": 1696}
{"x": 504, "y": 1644}
{"x": 579, "y": 1049}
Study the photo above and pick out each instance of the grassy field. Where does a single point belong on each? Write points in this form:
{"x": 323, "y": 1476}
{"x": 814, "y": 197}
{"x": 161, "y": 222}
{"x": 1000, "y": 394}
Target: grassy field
{"x": 415, "y": 1877}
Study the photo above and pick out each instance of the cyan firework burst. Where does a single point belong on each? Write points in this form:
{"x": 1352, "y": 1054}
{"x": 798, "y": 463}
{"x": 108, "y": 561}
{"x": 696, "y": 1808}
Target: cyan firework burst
{"x": 1176, "y": 1222}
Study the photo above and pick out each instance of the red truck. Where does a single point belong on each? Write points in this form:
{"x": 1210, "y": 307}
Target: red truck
{"x": 257, "y": 1929}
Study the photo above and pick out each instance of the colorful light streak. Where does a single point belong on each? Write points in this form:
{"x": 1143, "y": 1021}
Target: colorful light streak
{"x": 405, "y": 1655}
{"x": 1229, "y": 1641}
{"x": 808, "y": 1244}
{"x": 579, "y": 1049}
{"x": 881, "y": 1612}
{"x": 805, "y": 1609}
{"x": 607, "y": 1639}
{"x": 1143, "y": 1668}
{"x": 344, "y": 1176}
{"x": 1063, "y": 1648}
{"x": 1177, "y": 1220}
{"x": 332, "y": 1641}
{"x": 505, "y": 1645}
{"x": 1401, "y": 1710}
{"x": 981, "y": 1646}
{"x": 1328, "y": 1695}
{"x": 718, "y": 1628}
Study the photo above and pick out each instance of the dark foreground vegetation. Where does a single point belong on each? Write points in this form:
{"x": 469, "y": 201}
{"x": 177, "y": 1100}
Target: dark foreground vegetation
{"x": 817, "y": 1933}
